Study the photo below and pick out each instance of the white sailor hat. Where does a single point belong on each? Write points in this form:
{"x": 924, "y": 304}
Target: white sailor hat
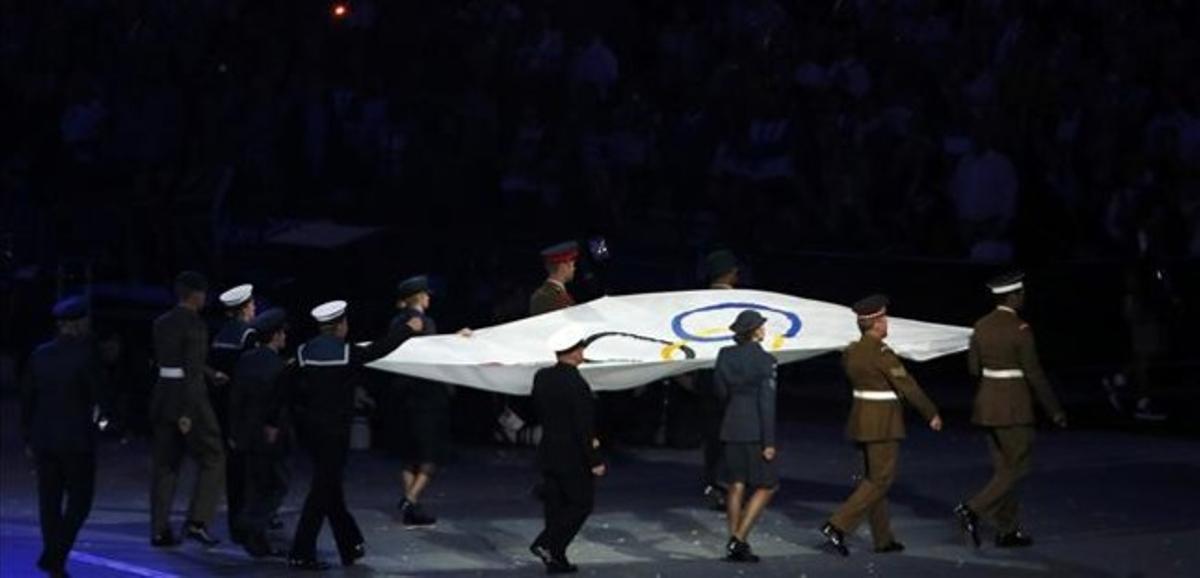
{"x": 567, "y": 338}
{"x": 327, "y": 312}
{"x": 1007, "y": 283}
{"x": 237, "y": 295}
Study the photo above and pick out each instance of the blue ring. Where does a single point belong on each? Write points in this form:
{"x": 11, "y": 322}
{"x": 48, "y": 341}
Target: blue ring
{"x": 680, "y": 332}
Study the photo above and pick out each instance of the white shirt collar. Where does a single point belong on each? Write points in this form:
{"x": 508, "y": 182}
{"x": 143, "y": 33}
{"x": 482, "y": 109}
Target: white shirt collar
{"x": 560, "y": 284}
{"x": 1006, "y": 308}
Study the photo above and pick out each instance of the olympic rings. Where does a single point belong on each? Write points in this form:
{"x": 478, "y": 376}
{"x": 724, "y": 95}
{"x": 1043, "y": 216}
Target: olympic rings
{"x": 707, "y": 336}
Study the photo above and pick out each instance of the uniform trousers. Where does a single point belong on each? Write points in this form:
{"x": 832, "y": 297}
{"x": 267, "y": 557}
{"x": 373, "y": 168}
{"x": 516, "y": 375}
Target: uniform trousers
{"x": 711, "y": 414}
{"x": 63, "y": 474}
{"x": 567, "y": 499}
{"x": 1011, "y": 449}
{"x": 265, "y": 484}
{"x": 169, "y": 445}
{"x": 869, "y": 499}
{"x": 326, "y": 499}
{"x": 235, "y": 476}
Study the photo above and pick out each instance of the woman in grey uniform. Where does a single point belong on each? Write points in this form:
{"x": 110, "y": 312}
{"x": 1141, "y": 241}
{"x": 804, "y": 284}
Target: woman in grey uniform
{"x": 745, "y": 378}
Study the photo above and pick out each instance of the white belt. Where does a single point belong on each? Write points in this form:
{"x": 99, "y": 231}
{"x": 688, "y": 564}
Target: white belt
{"x": 1003, "y": 373}
{"x": 876, "y": 395}
{"x": 170, "y": 372}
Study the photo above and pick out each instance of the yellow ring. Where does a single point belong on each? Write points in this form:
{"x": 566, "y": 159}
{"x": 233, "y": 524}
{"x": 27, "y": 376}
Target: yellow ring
{"x": 669, "y": 351}
{"x": 777, "y": 343}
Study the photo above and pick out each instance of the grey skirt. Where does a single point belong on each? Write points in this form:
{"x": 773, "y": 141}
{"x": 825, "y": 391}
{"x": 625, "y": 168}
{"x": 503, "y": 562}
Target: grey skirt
{"x": 744, "y": 464}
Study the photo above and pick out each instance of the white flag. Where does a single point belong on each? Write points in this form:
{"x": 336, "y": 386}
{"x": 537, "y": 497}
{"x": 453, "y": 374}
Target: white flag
{"x": 637, "y": 339}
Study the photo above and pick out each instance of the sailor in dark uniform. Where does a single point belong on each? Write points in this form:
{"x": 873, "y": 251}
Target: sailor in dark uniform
{"x": 259, "y": 429}
{"x": 744, "y": 375}
{"x": 324, "y": 405}
{"x": 568, "y": 455}
{"x": 233, "y": 339}
{"x": 237, "y": 335}
{"x": 60, "y": 395}
{"x": 183, "y": 418}
{"x": 426, "y": 409}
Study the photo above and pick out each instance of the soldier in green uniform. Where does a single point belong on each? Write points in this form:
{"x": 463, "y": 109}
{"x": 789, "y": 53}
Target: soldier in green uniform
{"x": 517, "y": 419}
{"x": 183, "y": 418}
{"x": 560, "y": 270}
{"x": 880, "y": 385}
{"x": 1004, "y": 358}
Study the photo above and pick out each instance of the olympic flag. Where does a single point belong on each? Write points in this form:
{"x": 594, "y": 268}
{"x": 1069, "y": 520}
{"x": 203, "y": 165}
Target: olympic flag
{"x": 638, "y": 339}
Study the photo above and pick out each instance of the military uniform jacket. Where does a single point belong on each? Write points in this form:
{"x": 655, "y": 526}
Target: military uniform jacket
{"x": 549, "y": 297}
{"x": 744, "y": 376}
{"x": 256, "y": 399}
{"x": 871, "y": 366}
{"x": 564, "y": 405}
{"x": 323, "y": 396}
{"x": 228, "y": 345}
{"x": 59, "y": 391}
{"x": 1004, "y": 357}
{"x": 180, "y": 342}
{"x": 420, "y": 393}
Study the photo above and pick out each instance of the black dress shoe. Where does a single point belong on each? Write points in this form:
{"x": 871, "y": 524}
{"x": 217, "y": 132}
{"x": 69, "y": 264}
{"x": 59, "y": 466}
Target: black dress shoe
{"x": 164, "y": 539}
{"x": 969, "y": 522}
{"x": 560, "y": 565}
{"x": 310, "y": 564}
{"x": 834, "y": 539}
{"x": 1016, "y": 539}
{"x": 357, "y": 552}
{"x": 893, "y": 546}
{"x": 739, "y": 551}
{"x": 51, "y": 568}
{"x": 198, "y": 532}
{"x": 414, "y": 515}
{"x": 258, "y": 546}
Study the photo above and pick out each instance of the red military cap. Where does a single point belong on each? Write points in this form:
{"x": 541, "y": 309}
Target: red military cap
{"x": 871, "y": 307}
{"x": 561, "y": 253}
